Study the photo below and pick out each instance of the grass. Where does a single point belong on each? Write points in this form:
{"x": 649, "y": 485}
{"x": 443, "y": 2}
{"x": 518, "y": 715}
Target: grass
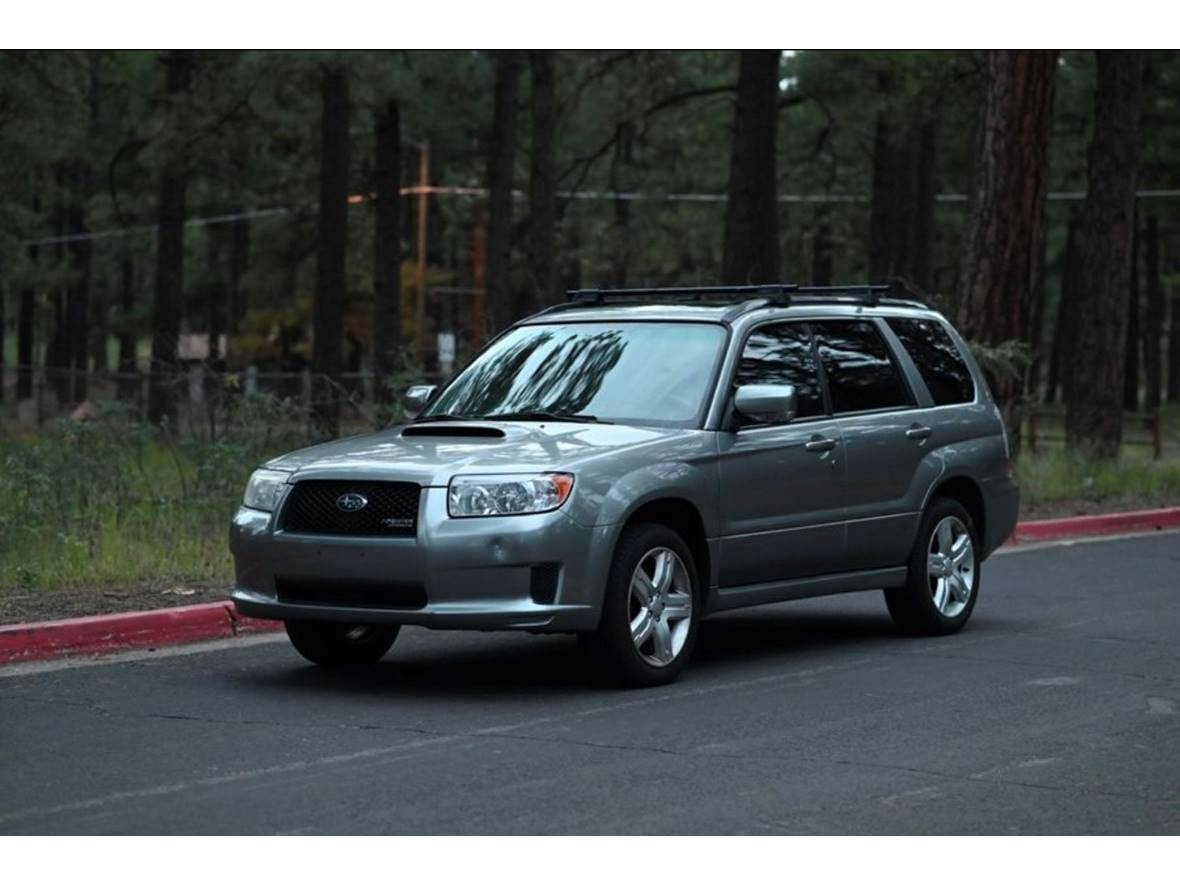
{"x": 1057, "y": 482}
{"x": 109, "y": 504}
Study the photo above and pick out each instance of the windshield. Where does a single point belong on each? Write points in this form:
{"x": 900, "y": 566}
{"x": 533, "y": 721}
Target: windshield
{"x": 632, "y": 373}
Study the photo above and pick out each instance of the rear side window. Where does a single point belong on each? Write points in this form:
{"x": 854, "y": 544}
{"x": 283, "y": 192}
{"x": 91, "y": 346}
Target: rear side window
{"x": 939, "y": 362}
{"x": 861, "y": 373}
{"x": 780, "y": 353}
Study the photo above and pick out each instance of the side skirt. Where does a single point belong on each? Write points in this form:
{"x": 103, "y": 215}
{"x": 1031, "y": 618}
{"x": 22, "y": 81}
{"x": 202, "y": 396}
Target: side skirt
{"x": 726, "y": 598}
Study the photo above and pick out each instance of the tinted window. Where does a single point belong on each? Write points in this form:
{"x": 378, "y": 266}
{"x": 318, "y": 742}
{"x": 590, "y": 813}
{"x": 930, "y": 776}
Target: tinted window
{"x": 861, "y": 374}
{"x": 938, "y": 360}
{"x": 637, "y": 373}
{"x": 780, "y": 353}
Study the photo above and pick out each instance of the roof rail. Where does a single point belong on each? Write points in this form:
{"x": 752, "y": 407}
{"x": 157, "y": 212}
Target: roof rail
{"x": 772, "y": 291}
{"x": 778, "y": 294}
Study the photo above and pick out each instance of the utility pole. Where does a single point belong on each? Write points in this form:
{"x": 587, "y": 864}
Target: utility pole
{"x": 420, "y": 302}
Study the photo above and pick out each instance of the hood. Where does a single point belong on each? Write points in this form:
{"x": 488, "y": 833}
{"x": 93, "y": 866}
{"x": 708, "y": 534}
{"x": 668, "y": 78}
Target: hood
{"x": 430, "y": 453}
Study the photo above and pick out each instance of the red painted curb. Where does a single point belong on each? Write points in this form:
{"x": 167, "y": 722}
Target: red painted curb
{"x": 121, "y": 632}
{"x": 219, "y": 620}
{"x": 1099, "y": 524}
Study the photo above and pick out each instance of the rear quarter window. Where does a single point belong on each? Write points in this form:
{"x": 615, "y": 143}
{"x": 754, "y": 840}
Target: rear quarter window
{"x": 939, "y": 362}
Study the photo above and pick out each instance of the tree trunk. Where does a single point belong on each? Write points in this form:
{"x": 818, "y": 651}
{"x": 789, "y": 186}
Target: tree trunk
{"x": 166, "y": 306}
{"x": 57, "y": 350}
{"x": 328, "y": 310}
{"x": 25, "y": 323}
{"x": 821, "y": 248}
{"x": 1093, "y": 421}
{"x": 387, "y": 255}
{"x": 999, "y": 263}
{"x": 1066, "y": 307}
{"x": 500, "y": 163}
{"x": 751, "y": 247}
{"x": 1131, "y": 339}
{"x": 128, "y": 386}
{"x": 1174, "y": 353}
{"x": 78, "y": 318}
{"x": 884, "y": 201}
{"x": 543, "y": 181}
{"x": 1153, "y": 320}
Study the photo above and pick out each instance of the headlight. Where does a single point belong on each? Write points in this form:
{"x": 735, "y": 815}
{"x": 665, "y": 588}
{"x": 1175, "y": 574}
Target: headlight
{"x": 508, "y": 494}
{"x": 263, "y": 489}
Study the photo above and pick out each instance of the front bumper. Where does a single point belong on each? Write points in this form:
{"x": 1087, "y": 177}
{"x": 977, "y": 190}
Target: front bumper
{"x": 466, "y": 573}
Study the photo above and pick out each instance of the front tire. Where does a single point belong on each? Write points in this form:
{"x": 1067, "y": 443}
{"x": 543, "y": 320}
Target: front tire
{"x": 650, "y": 610}
{"x": 331, "y": 644}
{"x": 943, "y": 573}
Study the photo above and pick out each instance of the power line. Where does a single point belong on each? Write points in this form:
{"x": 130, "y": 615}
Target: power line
{"x": 626, "y": 196}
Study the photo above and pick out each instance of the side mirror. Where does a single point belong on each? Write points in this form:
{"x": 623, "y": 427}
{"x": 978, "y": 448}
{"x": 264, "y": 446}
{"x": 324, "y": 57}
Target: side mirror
{"x": 416, "y": 398}
{"x": 765, "y": 403}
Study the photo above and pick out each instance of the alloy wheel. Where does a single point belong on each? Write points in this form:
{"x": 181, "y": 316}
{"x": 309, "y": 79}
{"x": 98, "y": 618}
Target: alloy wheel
{"x": 950, "y": 566}
{"x": 660, "y": 606}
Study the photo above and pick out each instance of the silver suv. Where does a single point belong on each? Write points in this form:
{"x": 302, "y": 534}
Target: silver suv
{"x": 630, "y": 462}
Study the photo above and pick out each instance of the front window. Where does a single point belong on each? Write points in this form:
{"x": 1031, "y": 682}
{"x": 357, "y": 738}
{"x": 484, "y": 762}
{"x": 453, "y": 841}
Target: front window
{"x": 627, "y": 373}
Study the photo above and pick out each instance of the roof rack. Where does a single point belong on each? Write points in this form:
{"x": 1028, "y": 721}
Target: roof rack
{"x": 774, "y": 291}
{"x": 777, "y": 294}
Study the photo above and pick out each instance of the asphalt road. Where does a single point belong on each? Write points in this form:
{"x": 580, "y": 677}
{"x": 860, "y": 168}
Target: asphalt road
{"x": 1056, "y": 711}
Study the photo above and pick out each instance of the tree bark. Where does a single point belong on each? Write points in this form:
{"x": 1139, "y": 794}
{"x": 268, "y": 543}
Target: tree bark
{"x": 1066, "y": 307}
{"x": 543, "y": 181}
{"x": 26, "y": 324}
{"x": 751, "y": 252}
{"x": 128, "y": 363}
{"x": 1153, "y": 320}
{"x": 999, "y": 261}
{"x": 1174, "y": 353}
{"x": 387, "y": 254}
{"x": 169, "y": 255}
{"x": 328, "y": 309}
{"x": 78, "y": 318}
{"x": 500, "y": 165}
{"x": 1131, "y": 339}
{"x": 1093, "y": 421}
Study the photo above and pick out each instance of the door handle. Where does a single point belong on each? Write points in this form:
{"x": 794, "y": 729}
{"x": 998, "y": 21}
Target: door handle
{"x": 917, "y": 431}
{"x": 820, "y": 444}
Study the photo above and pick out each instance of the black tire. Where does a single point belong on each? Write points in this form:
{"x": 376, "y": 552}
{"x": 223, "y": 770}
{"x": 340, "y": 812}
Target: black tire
{"x": 611, "y": 649}
{"x": 913, "y": 607}
{"x": 332, "y": 644}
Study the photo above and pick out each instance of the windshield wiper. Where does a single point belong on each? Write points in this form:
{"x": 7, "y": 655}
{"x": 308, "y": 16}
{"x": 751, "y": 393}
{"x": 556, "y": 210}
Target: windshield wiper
{"x": 544, "y": 416}
{"x": 442, "y": 416}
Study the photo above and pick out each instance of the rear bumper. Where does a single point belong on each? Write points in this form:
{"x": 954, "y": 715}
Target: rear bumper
{"x": 476, "y": 574}
{"x": 1001, "y": 499}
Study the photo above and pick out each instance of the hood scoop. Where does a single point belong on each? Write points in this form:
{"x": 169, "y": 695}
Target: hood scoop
{"x": 453, "y": 431}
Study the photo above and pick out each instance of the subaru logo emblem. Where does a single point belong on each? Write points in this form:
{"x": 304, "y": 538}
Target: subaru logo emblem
{"x": 351, "y": 502}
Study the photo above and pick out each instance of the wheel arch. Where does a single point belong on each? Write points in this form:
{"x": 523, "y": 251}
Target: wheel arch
{"x": 683, "y": 517}
{"x": 967, "y": 492}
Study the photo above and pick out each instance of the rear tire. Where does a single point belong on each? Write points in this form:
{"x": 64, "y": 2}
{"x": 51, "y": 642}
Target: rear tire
{"x": 332, "y": 644}
{"x": 650, "y": 610}
{"x": 942, "y": 581}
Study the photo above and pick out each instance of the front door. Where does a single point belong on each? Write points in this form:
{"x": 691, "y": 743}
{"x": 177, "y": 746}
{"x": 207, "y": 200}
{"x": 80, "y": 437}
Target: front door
{"x": 782, "y": 485}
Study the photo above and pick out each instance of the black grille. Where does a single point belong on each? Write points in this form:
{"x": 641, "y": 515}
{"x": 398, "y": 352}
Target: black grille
{"x": 351, "y": 594}
{"x": 390, "y": 511}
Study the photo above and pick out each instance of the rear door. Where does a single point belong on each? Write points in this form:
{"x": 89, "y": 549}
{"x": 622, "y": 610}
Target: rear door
{"x": 885, "y": 439}
{"x": 782, "y": 484}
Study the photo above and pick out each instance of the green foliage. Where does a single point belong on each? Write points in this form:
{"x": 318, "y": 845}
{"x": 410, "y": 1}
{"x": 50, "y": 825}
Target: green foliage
{"x": 108, "y": 502}
{"x": 1062, "y": 476}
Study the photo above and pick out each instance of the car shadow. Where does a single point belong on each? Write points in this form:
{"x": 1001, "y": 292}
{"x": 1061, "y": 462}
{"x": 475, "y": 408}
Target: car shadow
{"x": 460, "y": 667}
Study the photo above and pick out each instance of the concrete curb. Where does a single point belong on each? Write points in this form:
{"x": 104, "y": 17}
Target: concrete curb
{"x": 129, "y": 630}
{"x": 219, "y": 620}
{"x": 1098, "y": 524}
